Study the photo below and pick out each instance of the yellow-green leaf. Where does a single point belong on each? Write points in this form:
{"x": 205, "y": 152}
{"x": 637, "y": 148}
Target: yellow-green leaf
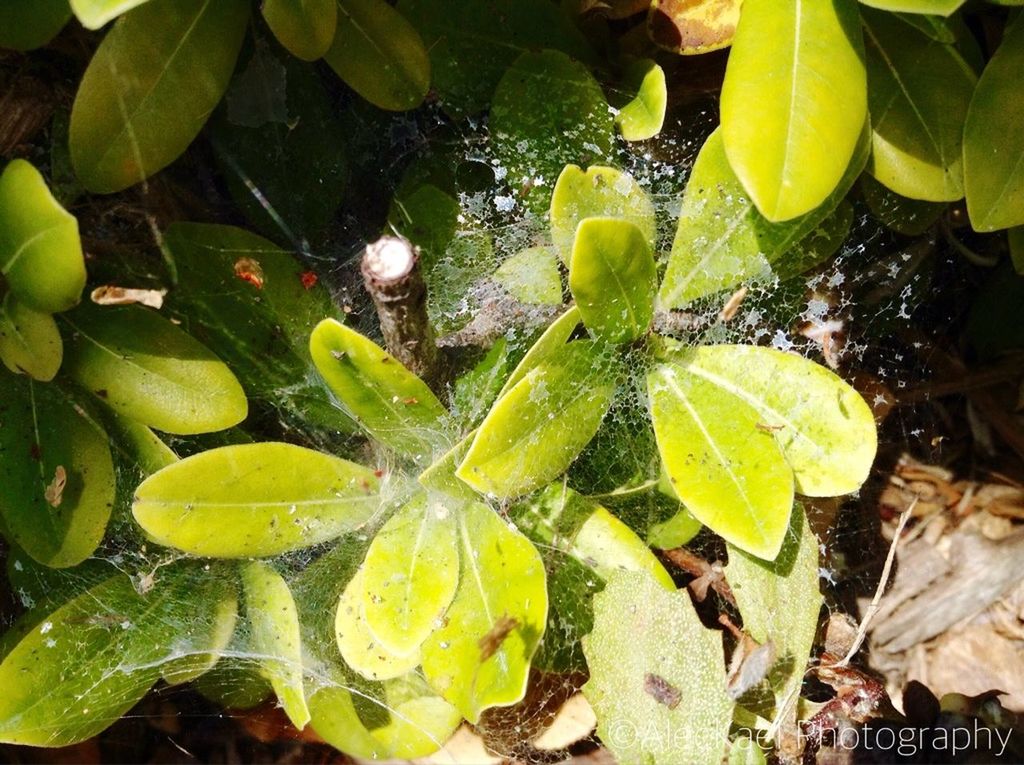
{"x": 359, "y": 647}
{"x": 480, "y": 657}
{"x": 254, "y": 500}
{"x": 936, "y": 7}
{"x": 531, "y": 276}
{"x": 994, "y": 141}
{"x": 29, "y": 341}
{"x": 410, "y": 573}
{"x": 601, "y": 192}
{"x": 40, "y": 252}
{"x": 394, "y": 405}
{"x": 56, "y": 471}
{"x": 150, "y": 88}
{"x": 148, "y": 369}
{"x": 613, "y": 277}
{"x": 545, "y": 347}
{"x": 919, "y": 90}
{"x": 689, "y": 27}
{"x": 536, "y": 429}
{"x": 379, "y": 55}
{"x": 657, "y": 675}
{"x": 794, "y": 101}
{"x": 275, "y": 637}
{"x": 644, "y": 114}
{"x": 305, "y": 27}
{"x": 95, "y": 13}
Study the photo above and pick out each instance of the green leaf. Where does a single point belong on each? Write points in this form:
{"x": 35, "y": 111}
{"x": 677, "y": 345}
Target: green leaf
{"x": 477, "y": 389}
{"x": 643, "y": 116}
{"x": 675, "y": 532}
{"x": 28, "y": 24}
{"x": 379, "y": 55}
{"x": 254, "y": 500}
{"x": 548, "y": 346}
{"x": 828, "y": 434}
{"x": 410, "y": 574}
{"x": 600, "y": 192}
{"x": 613, "y": 278}
{"x": 209, "y": 638}
{"x": 919, "y": 90}
{"x": 649, "y": 657}
{"x": 95, "y": 13}
{"x": 389, "y": 401}
{"x": 780, "y": 601}
{"x": 732, "y": 476}
{"x": 411, "y": 721}
{"x": 146, "y": 368}
{"x": 440, "y": 476}
{"x": 936, "y": 7}
{"x": 536, "y": 429}
{"x": 305, "y": 27}
{"x": 480, "y": 657}
{"x": 262, "y": 332}
{"x": 150, "y": 88}
{"x": 531, "y": 276}
{"x": 938, "y": 28}
{"x": 722, "y": 240}
{"x": 29, "y": 341}
{"x": 43, "y": 434}
{"x": 819, "y": 245}
{"x": 234, "y": 684}
{"x": 1015, "y": 238}
{"x": 693, "y": 27}
{"x": 472, "y": 44}
{"x": 910, "y": 217}
{"x": 794, "y": 102}
{"x": 141, "y": 445}
{"x": 275, "y": 637}
{"x": 360, "y": 648}
{"x": 548, "y": 111}
{"x": 40, "y": 252}
{"x": 993, "y": 141}
{"x": 97, "y": 655}
{"x": 743, "y": 750}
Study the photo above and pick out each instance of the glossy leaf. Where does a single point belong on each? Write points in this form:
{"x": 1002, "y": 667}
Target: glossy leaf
{"x": 937, "y": 7}
{"x": 208, "y": 639}
{"x": 410, "y": 574}
{"x": 379, "y": 55}
{"x": 28, "y": 24}
{"x": 29, "y": 340}
{"x": 148, "y": 369}
{"x": 600, "y": 192}
{"x": 45, "y": 435}
{"x": 73, "y": 652}
{"x": 409, "y": 722}
{"x": 95, "y": 13}
{"x": 141, "y": 445}
{"x": 993, "y": 141}
{"x": 40, "y": 252}
{"x": 643, "y": 116}
{"x": 536, "y": 429}
{"x": 722, "y": 240}
{"x": 613, "y": 278}
{"x": 254, "y": 500}
{"x": 359, "y": 647}
{"x": 480, "y": 657}
{"x": 732, "y": 476}
{"x": 780, "y": 601}
{"x": 150, "y": 88}
{"x": 472, "y": 44}
{"x": 305, "y": 27}
{"x": 548, "y": 112}
{"x": 828, "y": 434}
{"x": 649, "y": 657}
{"x": 531, "y": 276}
{"x": 819, "y": 245}
{"x": 911, "y": 217}
{"x": 262, "y": 332}
{"x": 393, "y": 404}
{"x": 693, "y": 27}
{"x": 546, "y": 347}
{"x": 919, "y": 92}
{"x": 275, "y": 637}
{"x": 794, "y": 102}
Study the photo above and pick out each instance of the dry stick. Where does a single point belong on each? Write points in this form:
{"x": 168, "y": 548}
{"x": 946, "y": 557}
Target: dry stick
{"x": 393, "y": 278}
{"x": 862, "y": 631}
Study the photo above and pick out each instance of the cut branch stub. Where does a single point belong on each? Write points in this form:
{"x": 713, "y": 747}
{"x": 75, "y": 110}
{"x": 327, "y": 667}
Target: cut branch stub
{"x": 393, "y": 278}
